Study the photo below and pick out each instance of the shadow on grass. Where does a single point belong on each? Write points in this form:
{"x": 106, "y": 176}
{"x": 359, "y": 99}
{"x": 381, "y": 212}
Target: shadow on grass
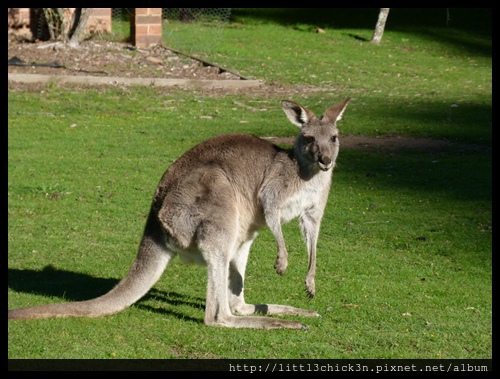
{"x": 422, "y": 21}
{"x": 74, "y": 286}
{"x": 471, "y": 19}
{"x": 459, "y": 173}
{"x": 356, "y": 37}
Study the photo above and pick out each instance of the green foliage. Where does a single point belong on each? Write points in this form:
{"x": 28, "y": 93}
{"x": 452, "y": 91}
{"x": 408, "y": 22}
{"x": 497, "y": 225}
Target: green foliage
{"x": 404, "y": 257}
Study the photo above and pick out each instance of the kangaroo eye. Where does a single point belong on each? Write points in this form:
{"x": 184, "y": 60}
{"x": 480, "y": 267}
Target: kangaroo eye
{"x": 334, "y": 138}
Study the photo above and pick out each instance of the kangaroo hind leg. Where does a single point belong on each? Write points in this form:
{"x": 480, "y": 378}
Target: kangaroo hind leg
{"x": 217, "y": 249}
{"x": 238, "y": 305}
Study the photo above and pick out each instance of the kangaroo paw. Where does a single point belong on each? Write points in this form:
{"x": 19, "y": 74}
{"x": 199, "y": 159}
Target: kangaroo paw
{"x": 310, "y": 287}
{"x": 281, "y": 264}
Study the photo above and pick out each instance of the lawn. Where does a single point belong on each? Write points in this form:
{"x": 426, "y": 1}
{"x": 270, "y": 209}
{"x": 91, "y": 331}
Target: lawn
{"x": 404, "y": 255}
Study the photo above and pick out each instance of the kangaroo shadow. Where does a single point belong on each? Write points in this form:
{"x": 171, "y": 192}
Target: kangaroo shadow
{"x": 74, "y": 286}
{"x": 359, "y": 38}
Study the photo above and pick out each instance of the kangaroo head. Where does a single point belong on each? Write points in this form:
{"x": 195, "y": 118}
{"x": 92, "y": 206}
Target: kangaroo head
{"x": 317, "y": 143}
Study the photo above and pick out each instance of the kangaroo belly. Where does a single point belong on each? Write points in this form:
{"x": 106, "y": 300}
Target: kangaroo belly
{"x": 192, "y": 257}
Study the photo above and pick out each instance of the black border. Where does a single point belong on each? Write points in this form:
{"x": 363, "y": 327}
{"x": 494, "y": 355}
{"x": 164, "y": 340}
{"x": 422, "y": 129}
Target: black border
{"x": 254, "y": 365}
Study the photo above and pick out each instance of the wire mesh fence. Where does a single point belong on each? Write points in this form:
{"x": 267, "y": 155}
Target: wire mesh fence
{"x": 120, "y": 23}
{"x": 196, "y": 31}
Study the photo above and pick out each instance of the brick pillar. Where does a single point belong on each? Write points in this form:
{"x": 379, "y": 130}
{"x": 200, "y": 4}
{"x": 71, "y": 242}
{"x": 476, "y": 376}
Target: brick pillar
{"x": 145, "y": 26}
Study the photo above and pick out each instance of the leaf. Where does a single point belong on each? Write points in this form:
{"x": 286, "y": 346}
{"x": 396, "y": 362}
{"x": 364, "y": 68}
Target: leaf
{"x": 351, "y": 305}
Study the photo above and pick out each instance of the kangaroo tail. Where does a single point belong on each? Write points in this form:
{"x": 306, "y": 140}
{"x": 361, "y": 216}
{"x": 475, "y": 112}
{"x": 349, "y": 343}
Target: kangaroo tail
{"x": 147, "y": 268}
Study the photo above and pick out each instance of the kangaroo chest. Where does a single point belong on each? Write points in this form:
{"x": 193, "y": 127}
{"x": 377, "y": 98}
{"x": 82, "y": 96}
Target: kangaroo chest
{"x": 311, "y": 194}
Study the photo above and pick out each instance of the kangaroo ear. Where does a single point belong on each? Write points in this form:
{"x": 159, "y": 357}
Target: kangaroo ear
{"x": 297, "y": 114}
{"x": 335, "y": 113}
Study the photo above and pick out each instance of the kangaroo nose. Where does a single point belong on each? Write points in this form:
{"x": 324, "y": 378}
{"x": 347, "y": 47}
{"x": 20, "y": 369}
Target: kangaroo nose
{"x": 325, "y": 163}
{"x": 325, "y": 160}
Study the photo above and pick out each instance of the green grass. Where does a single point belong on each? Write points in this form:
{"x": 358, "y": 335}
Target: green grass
{"x": 404, "y": 257}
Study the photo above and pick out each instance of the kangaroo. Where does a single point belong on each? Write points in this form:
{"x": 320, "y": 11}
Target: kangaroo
{"x": 208, "y": 209}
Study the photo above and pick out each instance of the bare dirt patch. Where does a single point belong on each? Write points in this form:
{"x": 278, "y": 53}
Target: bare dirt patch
{"x": 103, "y": 58}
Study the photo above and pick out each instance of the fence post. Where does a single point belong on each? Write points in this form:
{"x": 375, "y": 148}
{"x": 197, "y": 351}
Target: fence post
{"x": 145, "y": 26}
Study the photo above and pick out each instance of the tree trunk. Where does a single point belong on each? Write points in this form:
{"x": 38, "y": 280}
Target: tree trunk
{"x": 71, "y": 31}
{"x": 52, "y": 17}
{"x": 379, "y": 28}
{"x": 78, "y": 33}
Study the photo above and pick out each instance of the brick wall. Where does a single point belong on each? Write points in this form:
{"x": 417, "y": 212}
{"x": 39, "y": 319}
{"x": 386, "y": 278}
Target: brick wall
{"x": 21, "y": 20}
{"x": 18, "y": 18}
{"x": 99, "y": 20}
